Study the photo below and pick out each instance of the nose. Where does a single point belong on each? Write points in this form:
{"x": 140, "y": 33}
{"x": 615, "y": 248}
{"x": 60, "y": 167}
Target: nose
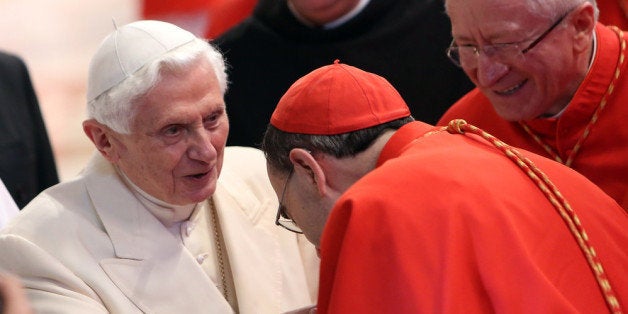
{"x": 490, "y": 71}
{"x": 201, "y": 147}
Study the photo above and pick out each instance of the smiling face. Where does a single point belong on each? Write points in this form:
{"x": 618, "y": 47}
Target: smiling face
{"x": 178, "y": 134}
{"x": 537, "y": 83}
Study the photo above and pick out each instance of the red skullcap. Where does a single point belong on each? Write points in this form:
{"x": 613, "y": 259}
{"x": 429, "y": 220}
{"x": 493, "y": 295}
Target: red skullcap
{"x": 336, "y": 99}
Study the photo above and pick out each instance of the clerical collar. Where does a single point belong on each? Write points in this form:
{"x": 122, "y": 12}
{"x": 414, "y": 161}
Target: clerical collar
{"x": 560, "y": 113}
{"x": 168, "y": 214}
{"x": 333, "y": 24}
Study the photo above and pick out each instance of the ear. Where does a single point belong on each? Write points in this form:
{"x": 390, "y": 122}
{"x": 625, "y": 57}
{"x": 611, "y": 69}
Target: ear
{"x": 583, "y": 21}
{"x": 307, "y": 167}
{"x": 102, "y": 137}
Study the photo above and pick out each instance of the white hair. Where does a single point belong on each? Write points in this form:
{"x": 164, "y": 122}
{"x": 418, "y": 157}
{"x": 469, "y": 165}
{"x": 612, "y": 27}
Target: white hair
{"x": 114, "y": 107}
{"x": 550, "y": 8}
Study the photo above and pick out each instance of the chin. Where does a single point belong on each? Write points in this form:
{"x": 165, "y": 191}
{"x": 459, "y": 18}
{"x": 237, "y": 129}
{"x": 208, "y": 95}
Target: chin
{"x": 505, "y": 111}
{"x": 192, "y": 198}
{"x": 204, "y": 195}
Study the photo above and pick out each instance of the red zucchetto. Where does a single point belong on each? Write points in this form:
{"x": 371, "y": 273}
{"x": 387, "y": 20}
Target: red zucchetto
{"x": 336, "y": 99}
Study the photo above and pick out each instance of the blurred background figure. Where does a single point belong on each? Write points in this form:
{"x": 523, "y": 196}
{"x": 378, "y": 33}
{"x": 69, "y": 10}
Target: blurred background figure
{"x": 8, "y": 209}
{"x": 401, "y": 40}
{"x": 204, "y": 18}
{"x": 613, "y": 12}
{"x": 27, "y": 164}
{"x": 56, "y": 44}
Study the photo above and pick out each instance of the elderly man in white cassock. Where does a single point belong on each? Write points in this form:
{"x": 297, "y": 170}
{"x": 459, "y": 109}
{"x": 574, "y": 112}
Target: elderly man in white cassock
{"x": 164, "y": 218}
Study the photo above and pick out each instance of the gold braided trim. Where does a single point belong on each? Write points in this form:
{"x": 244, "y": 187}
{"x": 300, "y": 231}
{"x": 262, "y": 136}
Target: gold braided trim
{"x": 557, "y": 200}
{"x": 217, "y": 237}
{"x": 596, "y": 114}
{"x": 542, "y": 143}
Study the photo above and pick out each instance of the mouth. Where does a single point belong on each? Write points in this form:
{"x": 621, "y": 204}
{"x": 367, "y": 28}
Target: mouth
{"x": 199, "y": 176}
{"x": 512, "y": 90}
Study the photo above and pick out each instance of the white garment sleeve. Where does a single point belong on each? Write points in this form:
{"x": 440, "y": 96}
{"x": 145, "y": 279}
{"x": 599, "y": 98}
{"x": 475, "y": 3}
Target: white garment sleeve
{"x": 8, "y": 208}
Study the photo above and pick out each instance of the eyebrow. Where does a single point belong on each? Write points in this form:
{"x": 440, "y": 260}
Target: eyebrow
{"x": 498, "y": 35}
{"x": 176, "y": 119}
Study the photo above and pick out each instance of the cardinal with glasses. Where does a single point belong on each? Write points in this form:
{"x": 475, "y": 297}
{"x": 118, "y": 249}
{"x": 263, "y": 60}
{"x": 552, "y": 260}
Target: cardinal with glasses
{"x": 412, "y": 218}
{"x": 550, "y": 79}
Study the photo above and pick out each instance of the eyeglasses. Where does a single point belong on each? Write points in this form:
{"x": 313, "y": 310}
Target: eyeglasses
{"x": 467, "y": 56}
{"x": 282, "y": 218}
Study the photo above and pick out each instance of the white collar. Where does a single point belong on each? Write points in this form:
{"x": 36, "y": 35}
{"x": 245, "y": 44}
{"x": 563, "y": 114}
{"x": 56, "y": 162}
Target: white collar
{"x": 333, "y": 24}
{"x": 168, "y": 214}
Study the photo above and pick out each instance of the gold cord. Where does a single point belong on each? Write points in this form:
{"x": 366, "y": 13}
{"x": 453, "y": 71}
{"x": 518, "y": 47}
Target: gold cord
{"x": 557, "y": 200}
{"x": 219, "y": 248}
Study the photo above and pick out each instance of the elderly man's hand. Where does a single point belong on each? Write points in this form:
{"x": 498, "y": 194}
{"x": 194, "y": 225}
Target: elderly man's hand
{"x": 12, "y": 295}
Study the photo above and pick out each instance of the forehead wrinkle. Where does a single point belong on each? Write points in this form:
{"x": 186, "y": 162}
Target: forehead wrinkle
{"x": 482, "y": 27}
{"x": 179, "y": 114}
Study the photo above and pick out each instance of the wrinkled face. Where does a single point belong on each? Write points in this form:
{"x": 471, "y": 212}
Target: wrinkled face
{"x": 302, "y": 203}
{"x": 178, "y": 135}
{"x": 537, "y": 83}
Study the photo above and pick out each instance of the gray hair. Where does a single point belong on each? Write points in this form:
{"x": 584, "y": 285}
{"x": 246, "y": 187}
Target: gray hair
{"x": 277, "y": 144}
{"x": 114, "y": 107}
{"x": 549, "y": 9}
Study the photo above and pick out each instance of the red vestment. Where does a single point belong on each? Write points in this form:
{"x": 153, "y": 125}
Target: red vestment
{"x": 604, "y": 153}
{"x": 613, "y": 12}
{"x": 214, "y": 16}
{"x": 446, "y": 223}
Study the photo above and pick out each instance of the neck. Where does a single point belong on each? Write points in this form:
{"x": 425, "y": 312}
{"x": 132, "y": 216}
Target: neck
{"x": 168, "y": 214}
{"x": 318, "y": 15}
{"x": 351, "y": 169}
